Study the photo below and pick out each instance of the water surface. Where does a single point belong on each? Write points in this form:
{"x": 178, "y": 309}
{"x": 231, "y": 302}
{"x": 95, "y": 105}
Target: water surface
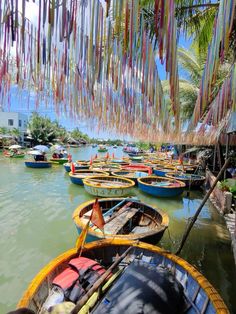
{"x": 36, "y": 206}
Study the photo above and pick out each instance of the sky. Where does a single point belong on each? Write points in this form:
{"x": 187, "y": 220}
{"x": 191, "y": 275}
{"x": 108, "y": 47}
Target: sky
{"x": 19, "y": 100}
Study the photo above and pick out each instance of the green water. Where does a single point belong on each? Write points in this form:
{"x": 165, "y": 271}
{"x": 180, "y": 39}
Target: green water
{"x": 36, "y": 207}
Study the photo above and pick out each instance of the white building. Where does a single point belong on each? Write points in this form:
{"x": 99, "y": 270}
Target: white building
{"x": 14, "y": 120}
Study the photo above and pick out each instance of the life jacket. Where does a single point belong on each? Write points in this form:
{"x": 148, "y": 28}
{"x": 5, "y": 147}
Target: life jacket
{"x": 78, "y": 277}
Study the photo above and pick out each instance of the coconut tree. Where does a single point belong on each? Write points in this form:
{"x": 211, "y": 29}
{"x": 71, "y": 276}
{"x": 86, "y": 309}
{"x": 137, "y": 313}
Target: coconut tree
{"x": 41, "y": 129}
{"x": 191, "y": 64}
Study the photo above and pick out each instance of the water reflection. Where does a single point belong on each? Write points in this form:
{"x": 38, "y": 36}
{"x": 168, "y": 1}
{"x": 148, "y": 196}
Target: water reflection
{"x": 36, "y": 207}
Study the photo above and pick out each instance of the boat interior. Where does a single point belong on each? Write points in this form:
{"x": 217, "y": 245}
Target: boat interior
{"x": 155, "y": 281}
{"x": 130, "y": 217}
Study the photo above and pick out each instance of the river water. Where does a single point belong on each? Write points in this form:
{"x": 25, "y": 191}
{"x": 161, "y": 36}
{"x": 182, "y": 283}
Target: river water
{"x": 36, "y": 206}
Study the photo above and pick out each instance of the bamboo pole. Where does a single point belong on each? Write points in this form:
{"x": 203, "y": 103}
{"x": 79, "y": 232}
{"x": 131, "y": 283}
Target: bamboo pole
{"x": 194, "y": 218}
{"x": 99, "y": 282}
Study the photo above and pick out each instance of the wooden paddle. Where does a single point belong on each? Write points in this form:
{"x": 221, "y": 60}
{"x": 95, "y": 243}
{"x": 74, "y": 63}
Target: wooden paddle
{"x": 99, "y": 282}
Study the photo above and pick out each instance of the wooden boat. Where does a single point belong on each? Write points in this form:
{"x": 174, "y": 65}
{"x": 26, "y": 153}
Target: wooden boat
{"x": 78, "y": 166}
{"x": 161, "y": 187}
{"x": 132, "y": 175}
{"x": 126, "y": 218}
{"x": 59, "y": 161}
{"x": 108, "y": 186}
{"x": 190, "y": 180}
{"x": 102, "y": 149}
{"x": 158, "y": 278}
{"x": 80, "y": 175}
{"x": 38, "y": 164}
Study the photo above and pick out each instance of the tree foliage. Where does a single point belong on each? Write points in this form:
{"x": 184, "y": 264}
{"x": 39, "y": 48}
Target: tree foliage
{"x": 43, "y": 130}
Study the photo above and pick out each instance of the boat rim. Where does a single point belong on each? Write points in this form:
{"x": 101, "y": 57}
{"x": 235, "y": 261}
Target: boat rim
{"x": 172, "y": 175}
{"x": 210, "y": 291}
{"x": 131, "y": 183}
{"x": 100, "y": 172}
{"x": 182, "y": 184}
{"x": 77, "y": 219}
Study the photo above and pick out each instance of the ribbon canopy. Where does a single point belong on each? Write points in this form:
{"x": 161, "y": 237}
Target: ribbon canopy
{"x": 93, "y": 60}
{"x": 97, "y": 61}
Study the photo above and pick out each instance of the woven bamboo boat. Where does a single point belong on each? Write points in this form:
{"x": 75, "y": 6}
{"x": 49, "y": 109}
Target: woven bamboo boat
{"x": 146, "y": 277}
{"x": 78, "y": 166}
{"x": 38, "y": 164}
{"x": 108, "y": 167}
{"x": 79, "y": 175}
{"x": 132, "y": 175}
{"x": 190, "y": 180}
{"x": 108, "y": 186}
{"x": 162, "y": 171}
{"x": 126, "y": 218}
{"x": 160, "y": 186}
{"x": 59, "y": 161}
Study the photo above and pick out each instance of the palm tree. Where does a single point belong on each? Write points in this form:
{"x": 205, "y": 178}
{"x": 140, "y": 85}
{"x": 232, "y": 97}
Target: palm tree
{"x": 191, "y": 64}
{"x": 42, "y": 130}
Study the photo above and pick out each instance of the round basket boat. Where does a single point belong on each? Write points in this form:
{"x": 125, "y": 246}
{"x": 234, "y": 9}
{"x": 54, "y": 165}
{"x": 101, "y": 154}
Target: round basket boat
{"x": 126, "y": 218}
{"x": 59, "y": 161}
{"x": 9, "y": 155}
{"x": 108, "y": 186}
{"x": 121, "y": 162}
{"x": 162, "y": 171}
{"x": 142, "y": 262}
{"x": 190, "y": 180}
{"x": 161, "y": 187}
{"x": 136, "y": 158}
{"x": 78, "y": 166}
{"x": 108, "y": 167}
{"x": 132, "y": 175}
{"x": 136, "y": 168}
{"x": 38, "y": 164}
{"x": 186, "y": 168}
{"x": 80, "y": 175}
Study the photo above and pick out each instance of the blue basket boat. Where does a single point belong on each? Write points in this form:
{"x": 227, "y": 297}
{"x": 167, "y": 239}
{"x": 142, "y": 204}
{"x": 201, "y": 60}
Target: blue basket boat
{"x": 161, "y": 187}
{"x": 38, "y": 164}
{"x": 162, "y": 171}
{"x": 78, "y": 166}
{"x": 80, "y": 175}
{"x": 191, "y": 180}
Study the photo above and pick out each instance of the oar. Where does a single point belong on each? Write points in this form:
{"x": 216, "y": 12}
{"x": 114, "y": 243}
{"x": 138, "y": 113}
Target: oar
{"x": 99, "y": 282}
{"x": 111, "y": 210}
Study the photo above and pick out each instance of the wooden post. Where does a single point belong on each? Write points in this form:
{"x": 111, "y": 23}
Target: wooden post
{"x": 194, "y": 218}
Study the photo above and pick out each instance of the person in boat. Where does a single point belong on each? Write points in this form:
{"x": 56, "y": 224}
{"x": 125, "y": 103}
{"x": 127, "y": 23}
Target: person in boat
{"x": 61, "y": 155}
{"x": 55, "y": 155}
{"x": 65, "y": 154}
{"x": 14, "y": 152}
{"x": 40, "y": 157}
